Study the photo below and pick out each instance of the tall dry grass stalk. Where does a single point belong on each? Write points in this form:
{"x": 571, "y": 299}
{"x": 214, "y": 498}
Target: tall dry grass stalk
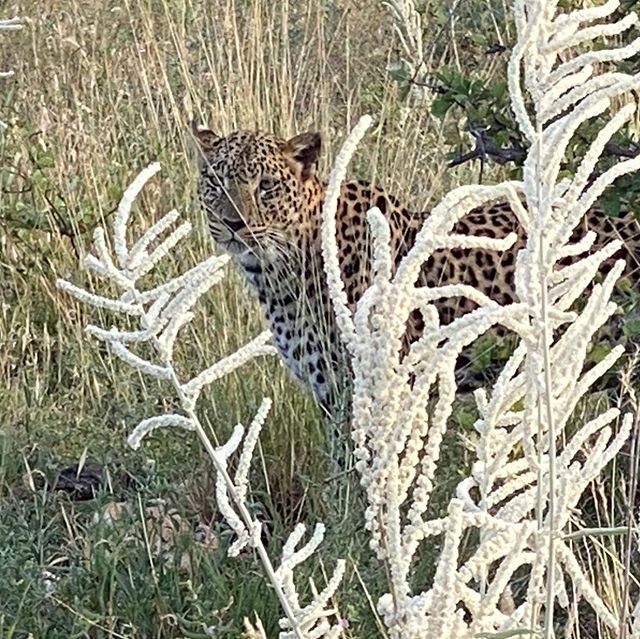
{"x": 11, "y": 24}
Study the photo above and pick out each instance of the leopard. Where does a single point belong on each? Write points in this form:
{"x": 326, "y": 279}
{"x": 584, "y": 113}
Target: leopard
{"x": 262, "y": 197}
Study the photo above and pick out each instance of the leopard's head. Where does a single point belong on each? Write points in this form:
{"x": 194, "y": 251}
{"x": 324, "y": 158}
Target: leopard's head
{"x": 256, "y": 188}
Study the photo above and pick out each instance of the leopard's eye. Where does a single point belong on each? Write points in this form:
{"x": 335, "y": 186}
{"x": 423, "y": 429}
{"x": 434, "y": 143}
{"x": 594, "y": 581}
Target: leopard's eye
{"x": 266, "y": 184}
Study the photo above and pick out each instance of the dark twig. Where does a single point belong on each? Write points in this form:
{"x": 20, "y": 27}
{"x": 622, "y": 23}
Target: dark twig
{"x": 486, "y": 148}
{"x": 619, "y": 151}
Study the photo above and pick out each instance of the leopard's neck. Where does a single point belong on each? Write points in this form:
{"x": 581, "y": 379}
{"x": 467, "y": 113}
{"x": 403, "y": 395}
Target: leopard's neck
{"x": 294, "y": 301}
{"x": 291, "y": 285}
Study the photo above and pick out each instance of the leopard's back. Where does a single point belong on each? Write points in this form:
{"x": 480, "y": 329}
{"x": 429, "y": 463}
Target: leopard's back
{"x": 263, "y": 203}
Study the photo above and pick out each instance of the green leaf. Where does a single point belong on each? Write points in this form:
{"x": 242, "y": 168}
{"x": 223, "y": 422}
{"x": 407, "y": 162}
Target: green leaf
{"x": 403, "y": 91}
{"x": 440, "y": 106}
{"x": 498, "y": 89}
{"x": 631, "y": 328}
{"x": 599, "y": 351}
{"x": 610, "y": 203}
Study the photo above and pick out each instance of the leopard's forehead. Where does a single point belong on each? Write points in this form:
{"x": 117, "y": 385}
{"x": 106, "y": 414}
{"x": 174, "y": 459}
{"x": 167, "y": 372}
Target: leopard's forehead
{"x": 246, "y": 153}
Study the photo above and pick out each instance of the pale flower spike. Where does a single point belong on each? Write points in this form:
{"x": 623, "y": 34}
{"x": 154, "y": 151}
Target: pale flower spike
{"x": 250, "y": 441}
{"x": 162, "y": 311}
{"x": 530, "y": 470}
{"x": 121, "y": 219}
{"x": 146, "y": 426}
{"x": 312, "y": 618}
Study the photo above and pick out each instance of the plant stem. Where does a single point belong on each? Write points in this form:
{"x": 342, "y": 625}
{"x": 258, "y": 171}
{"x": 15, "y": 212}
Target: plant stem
{"x": 548, "y": 406}
{"x": 231, "y": 489}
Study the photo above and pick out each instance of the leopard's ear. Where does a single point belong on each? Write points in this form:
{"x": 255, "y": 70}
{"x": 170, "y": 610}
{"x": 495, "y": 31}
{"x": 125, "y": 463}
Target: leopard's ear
{"x": 204, "y": 136}
{"x": 304, "y": 149}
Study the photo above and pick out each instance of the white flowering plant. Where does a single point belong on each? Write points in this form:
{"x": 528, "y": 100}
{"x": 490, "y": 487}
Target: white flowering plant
{"x": 529, "y": 475}
{"x": 162, "y": 312}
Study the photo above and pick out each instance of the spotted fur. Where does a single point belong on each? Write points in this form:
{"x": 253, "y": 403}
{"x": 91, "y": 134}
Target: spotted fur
{"x": 263, "y": 201}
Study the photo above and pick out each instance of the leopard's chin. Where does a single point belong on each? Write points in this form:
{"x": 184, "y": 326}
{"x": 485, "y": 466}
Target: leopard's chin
{"x": 228, "y": 242}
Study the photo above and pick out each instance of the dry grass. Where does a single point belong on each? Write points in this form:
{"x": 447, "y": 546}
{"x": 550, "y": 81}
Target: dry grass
{"x": 100, "y": 90}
